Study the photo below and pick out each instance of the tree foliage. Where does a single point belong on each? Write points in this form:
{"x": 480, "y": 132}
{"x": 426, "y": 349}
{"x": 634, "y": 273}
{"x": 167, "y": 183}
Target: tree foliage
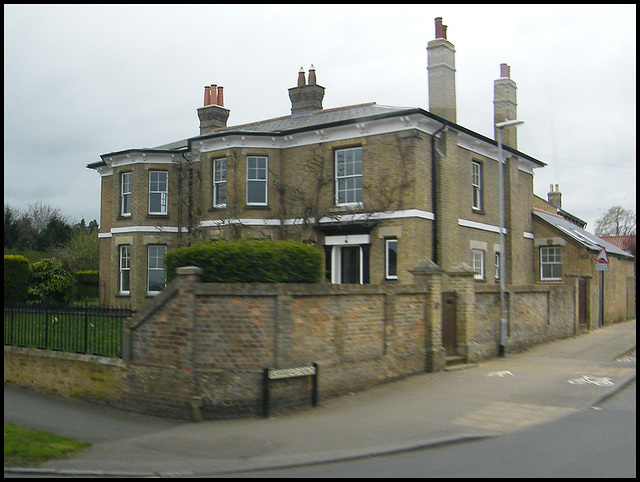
{"x": 617, "y": 221}
{"x": 42, "y": 231}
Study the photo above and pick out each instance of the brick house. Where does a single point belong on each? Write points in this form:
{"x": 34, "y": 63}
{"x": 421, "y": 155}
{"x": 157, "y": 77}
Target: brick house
{"x": 565, "y": 252}
{"x": 379, "y": 188}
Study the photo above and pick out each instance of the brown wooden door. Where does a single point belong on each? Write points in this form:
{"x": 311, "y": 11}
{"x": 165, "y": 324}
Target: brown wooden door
{"x": 449, "y": 322}
{"x": 582, "y": 300}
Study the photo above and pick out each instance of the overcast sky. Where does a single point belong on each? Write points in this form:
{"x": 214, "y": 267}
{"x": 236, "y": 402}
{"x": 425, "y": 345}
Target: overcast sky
{"x": 81, "y": 81}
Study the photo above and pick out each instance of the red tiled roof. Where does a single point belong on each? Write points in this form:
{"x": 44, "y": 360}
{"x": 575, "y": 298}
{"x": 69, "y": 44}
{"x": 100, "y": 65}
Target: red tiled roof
{"x": 622, "y": 242}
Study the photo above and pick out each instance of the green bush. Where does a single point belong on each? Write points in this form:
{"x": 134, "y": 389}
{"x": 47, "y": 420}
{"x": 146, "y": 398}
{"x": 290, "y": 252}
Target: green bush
{"x": 87, "y": 287}
{"x": 16, "y": 278}
{"x": 249, "y": 261}
{"x": 50, "y": 282}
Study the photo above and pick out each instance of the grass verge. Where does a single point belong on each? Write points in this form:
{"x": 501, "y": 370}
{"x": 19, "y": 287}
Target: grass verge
{"x": 28, "y": 448}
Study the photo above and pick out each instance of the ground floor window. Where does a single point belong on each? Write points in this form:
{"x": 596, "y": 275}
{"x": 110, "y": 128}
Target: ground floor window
{"x": 124, "y": 270}
{"x": 478, "y": 263}
{"x": 391, "y": 258}
{"x": 155, "y": 268}
{"x": 550, "y": 263}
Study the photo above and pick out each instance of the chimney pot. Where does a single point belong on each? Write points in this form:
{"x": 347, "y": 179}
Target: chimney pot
{"x": 220, "y": 98}
{"x": 312, "y": 75}
{"x": 301, "y": 79}
{"x": 505, "y": 71}
{"x": 207, "y": 95}
{"x": 441, "y": 30}
{"x": 214, "y": 94}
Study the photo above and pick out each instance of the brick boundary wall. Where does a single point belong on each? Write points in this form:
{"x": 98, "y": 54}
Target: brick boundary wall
{"x": 89, "y": 377}
{"x": 198, "y": 350}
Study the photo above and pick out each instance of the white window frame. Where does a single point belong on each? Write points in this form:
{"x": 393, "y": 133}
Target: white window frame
{"x": 256, "y": 176}
{"x": 477, "y": 261}
{"x": 348, "y": 166}
{"x": 219, "y": 169}
{"x": 476, "y": 185}
{"x": 551, "y": 256}
{"x": 497, "y": 264}
{"x": 391, "y": 269}
{"x": 124, "y": 269}
{"x": 155, "y": 264}
{"x": 125, "y": 193}
{"x": 155, "y": 189}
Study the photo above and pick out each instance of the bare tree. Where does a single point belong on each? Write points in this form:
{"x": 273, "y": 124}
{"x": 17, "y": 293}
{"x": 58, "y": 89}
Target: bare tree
{"x": 189, "y": 212}
{"x": 616, "y": 222}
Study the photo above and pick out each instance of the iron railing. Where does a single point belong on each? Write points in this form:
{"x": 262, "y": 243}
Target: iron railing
{"x": 77, "y": 329}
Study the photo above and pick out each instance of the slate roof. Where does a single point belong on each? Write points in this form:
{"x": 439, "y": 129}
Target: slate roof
{"x": 318, "y": 119}
{"x": 576, "y": 233}
{"x": 324, "y": 118}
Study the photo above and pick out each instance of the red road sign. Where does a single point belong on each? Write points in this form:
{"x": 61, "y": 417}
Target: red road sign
{"x": 602, "y": 257}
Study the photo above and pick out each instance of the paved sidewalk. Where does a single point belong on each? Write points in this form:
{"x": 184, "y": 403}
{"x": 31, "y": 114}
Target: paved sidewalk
{"x": 495, "y": 397}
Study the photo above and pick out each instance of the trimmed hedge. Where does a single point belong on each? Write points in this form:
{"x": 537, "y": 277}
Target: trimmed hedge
{"x": 249, "y": 261}
{"x": 16, "y": 278}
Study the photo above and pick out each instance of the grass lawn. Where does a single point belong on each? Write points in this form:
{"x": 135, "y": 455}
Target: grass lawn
{"x": 28, "y": 448}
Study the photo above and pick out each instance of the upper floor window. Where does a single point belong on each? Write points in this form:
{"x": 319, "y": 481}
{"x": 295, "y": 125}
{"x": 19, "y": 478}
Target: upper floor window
{"x": 498, "y": 265}
{"x": 257, "y": 180}
{"x": 476, "y": 185}
{"x": 477, "y": 259}
{"x": 391, "y": 259}
{"x": 124, "y": 269}
{"x": 125, "y": 194}
{"x": 158, "y": 189}
{"x": 348, "y": 175}
{"x": 550, "y": 263}
{"x": 155, "y": 268}
{"x": 219, "y": 182}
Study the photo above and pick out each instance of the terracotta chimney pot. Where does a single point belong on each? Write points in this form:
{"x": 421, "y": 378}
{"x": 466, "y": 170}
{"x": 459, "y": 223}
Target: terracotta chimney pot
{"x": 220, "y": 97}
{"x": 312, "y": 75}
{"x": 301, "y": 78}
{"x": 441, "y": 30}
{"x": 214, "y": 94}
{"x": 207, "y": 95}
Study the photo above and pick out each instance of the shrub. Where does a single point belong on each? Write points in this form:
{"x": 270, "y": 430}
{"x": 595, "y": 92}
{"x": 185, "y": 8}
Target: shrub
{"x": 87, "y": 286}
{"x": 16, "y": 278}
{"x": 249, "y": 261}
{"x": 49, "y": 281}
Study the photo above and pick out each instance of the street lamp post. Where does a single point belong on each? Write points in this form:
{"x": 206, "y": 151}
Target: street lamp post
{"x": 502, "y": 328}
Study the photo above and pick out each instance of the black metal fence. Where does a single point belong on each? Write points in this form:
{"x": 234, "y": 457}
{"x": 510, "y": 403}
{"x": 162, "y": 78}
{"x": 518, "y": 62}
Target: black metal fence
{"x": 77, "y": 329}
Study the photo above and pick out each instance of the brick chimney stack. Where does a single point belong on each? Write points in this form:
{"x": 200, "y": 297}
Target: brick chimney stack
{"x": 213, "y": 115}
{"x": 306, "y": 98}
{"x": 555, "y": 196}
{"x": 442, "y": 74}
{"x": 505, "y": 106}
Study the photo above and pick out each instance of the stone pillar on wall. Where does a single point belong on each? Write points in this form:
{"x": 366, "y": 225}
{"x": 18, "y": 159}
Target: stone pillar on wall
{"x": 461, "y": 280}
{"x": 188, "y": 277}
{"x": 429, "y": 274}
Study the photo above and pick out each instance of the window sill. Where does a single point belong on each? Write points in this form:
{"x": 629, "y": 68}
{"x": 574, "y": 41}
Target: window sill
{"x": 347, "y": 207}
